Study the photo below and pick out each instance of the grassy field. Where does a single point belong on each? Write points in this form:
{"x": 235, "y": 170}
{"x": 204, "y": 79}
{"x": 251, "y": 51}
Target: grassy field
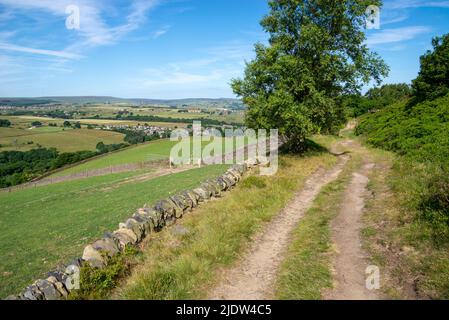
{"x": 155, "y": 150}
{"x": 179, "y": 266}
{"x": 25, "y": 122}
{"x": 111, "y": 111}
{"x": 41, "y": 227}
{"x": 64, "y": 140}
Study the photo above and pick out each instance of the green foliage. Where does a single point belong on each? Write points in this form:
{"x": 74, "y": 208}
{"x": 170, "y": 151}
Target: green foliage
{"x": 36, "y": 123}
{"x": 96, "y": 283}
{"x": 418, "y": 132}
{"x": 5, "y": 123}
{"x": 433, "y": 78}
{"x": 17, "y": 167}
{"x": 316, "y": 53}
{"x": 376, "y": 98}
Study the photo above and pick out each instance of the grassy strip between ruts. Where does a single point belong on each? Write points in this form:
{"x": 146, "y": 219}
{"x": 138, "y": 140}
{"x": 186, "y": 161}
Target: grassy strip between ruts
{"x": 305, "y": 271}
{"x": 184, "y": 261}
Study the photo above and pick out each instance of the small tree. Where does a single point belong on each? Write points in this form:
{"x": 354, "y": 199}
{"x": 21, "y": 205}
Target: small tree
{"x": 433, "y": 78}
{"x": 316, "y": 53}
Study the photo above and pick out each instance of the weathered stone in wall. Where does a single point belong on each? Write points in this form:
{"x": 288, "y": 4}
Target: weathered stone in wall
{"x": 235, "y": 174}
{"x": 59, "y": 286}
{"x": 229, "y": 182}
{"x": 155, "y": 217}
{"x": 215, "y": 188}
{"x": 209, "y": 188}
{"x": 108, "y": 245}
{"x": 166, "y": 208}
{"x": 137, "y": 228}
{"x": 146, "y": 223}
{"x": 232, "y": 180}
{"x": 181, "y": 202}
{"x": 125, "y": 237}
{"x": 193, "y": 197}
{"x": 48, "y": 289}
{"x": 33, "y": 293}
{"x": 203, "y": 194}
{"x": 223, "y": 185}
{"x": 94, "y": 257}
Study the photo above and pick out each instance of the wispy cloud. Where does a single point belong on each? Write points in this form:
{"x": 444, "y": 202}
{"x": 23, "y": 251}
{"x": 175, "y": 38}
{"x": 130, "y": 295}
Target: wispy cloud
{"x": 53, "y": 53}
{"x": 396, "y": 35}
{"x": 161, "y": 32}
{"x": 404, "y": 4}
{"x": 93, "y": 31}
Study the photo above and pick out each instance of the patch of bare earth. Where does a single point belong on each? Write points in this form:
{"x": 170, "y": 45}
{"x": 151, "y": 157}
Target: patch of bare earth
{"x": 253, "y": 277}
{"x": 350, "y": 261}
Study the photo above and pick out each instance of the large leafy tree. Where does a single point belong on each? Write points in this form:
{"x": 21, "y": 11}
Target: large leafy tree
{"x": 316, "y": 53}
{"x": 433, "y": 78}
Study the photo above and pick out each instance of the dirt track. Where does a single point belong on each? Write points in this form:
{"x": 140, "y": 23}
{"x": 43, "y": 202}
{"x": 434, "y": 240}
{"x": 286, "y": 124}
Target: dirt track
{"x": 253, "y": 277}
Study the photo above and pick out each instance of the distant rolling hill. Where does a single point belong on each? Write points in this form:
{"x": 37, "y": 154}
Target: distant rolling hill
{"x": 221, "y": 102}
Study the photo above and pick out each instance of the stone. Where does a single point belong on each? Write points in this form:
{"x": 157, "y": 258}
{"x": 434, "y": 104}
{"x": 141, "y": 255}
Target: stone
{"x": 61, "y": 289}
{"x": 181, "y": 202}
{"x": 60, "y": 276}
{"x": 217, "y": 187}
{"x": 33, "y": 293}
{"x": 188, "y": 201}
{"x": 166, "y": 208}
{"x": 232, "y": 180}
{"x": 145, "y": 223}
{"x": 203, "y": 194}
{"x": 151, "y": 215}
{"x": 94, "y": 257}
{"x": 235, "y": 174}
{"x": 48, "y": 289}
{"x": 223, "y": 185}
{"x": 137, "y": 228}
{"x": 78, "y": 262}
{"x": 107, "y": 245}
{"x": 229, "y": 182}
{"x": 193, "y": 196}
{"x": 125, "y": 237}
{"x": 179, "y": 211}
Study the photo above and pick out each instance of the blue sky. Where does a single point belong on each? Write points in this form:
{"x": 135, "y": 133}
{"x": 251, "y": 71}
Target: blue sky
{"x": 170, "y": 48}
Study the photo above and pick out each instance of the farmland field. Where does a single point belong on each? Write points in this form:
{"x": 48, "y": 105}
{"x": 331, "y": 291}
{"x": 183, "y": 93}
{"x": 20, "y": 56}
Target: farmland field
{"x": 41, "y": 227}
{"x": 25, "y": 122}
{"x": 67, "y": 140}
{"x": 155, "y": 150}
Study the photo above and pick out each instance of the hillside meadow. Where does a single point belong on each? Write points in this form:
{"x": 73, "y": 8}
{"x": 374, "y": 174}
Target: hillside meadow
{"x": 64, "y": 140}
{"x": 44, "y": 226}
{"x": 151, "y": 151}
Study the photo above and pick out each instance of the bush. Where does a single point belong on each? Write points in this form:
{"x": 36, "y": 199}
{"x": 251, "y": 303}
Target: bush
{"x": 5, "y": 123}
{"x": 419, "y": 133}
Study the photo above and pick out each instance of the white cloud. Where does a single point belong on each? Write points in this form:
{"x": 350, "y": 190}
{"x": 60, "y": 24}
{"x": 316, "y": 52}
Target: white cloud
{"x": 161, "y": 32}
{"x": 404, "y": 4}
{"x": 59, "y": 54}
{"x": 93, "y": 29}
{"x": 396, "y": 35}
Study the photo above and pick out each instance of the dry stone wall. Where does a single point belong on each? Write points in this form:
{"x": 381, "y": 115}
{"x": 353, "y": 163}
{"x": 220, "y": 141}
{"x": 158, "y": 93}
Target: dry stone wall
{"x": 144, "y": 222}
